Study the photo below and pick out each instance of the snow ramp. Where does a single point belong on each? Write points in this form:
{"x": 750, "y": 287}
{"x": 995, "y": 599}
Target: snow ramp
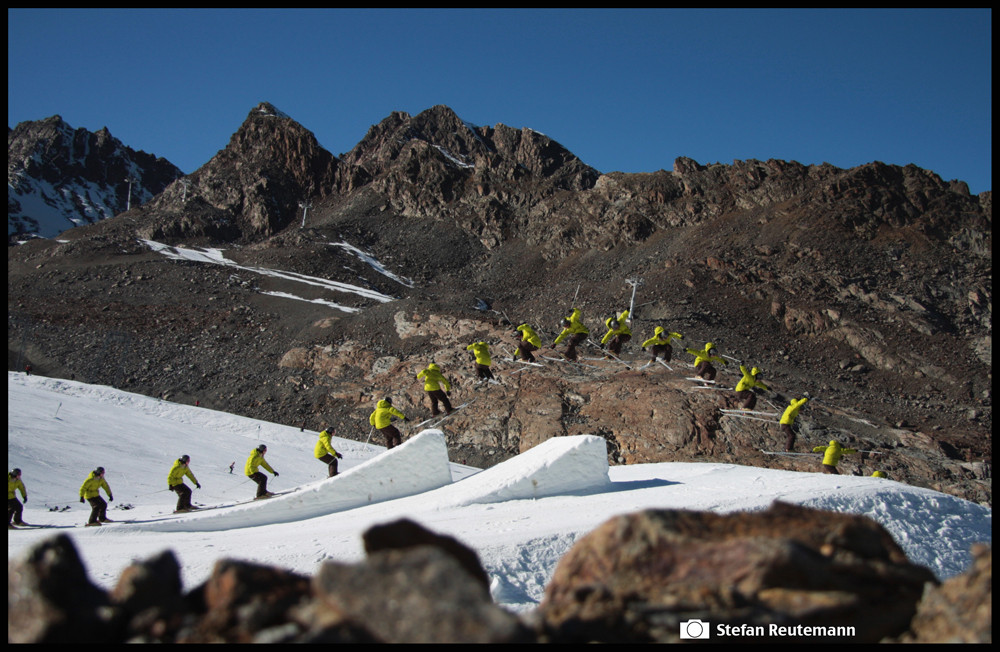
{"x": 418, "y": 465}
{"x": 559, "y": 466}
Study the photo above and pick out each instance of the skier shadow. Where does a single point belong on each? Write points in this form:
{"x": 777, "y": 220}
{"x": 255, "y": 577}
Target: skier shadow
{"x": 632, "y": 485}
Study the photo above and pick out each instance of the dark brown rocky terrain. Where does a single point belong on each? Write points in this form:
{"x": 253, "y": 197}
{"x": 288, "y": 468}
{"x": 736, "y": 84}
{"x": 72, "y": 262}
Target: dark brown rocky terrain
{"x": 870, "y": 289}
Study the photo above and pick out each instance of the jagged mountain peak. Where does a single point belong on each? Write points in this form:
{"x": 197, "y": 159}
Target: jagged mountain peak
{"x": 252, "y": 188}
{"x": 59, "y": 177}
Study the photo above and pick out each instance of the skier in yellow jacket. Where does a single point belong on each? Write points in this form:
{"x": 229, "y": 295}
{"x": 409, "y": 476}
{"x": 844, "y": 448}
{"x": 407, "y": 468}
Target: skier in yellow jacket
{"x": 434, "y": 380}
{"x": 252, "y": 471}
{"x": 14, "y": 507}
{"x": 618, "y": 333}
{"x": 745, "y": 388}
{"x": 659, "y": 345}
{"x": 529, "y": 342}
{"x": 91, "y": 491}
{"x": 483, "y": 361}
{"x": 575, "y": 331}
{"x": 788, "y": 421}
{"x": 325, "y": 452}
{"x": 703, "y": 360}
{"x": 175, "y": 483}
{"x": 381, "y": 418}
{"x": 832, "y": 455}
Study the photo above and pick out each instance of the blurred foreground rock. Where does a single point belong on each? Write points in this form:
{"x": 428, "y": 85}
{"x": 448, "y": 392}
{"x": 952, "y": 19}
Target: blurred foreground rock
{"x": 636, "y": 578}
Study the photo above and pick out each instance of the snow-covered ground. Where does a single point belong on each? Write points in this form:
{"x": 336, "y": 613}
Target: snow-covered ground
{"x": 214, "y": 256}
{"x": 520, "y": 516}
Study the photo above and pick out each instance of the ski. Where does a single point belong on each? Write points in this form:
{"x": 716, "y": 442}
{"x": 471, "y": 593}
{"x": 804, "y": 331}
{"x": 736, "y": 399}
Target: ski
{"x": 608, "y": 354}
{"x": 757, "y": 412}
{"x": 440, "y": 418}
{"x": 610, "y": 358}
{"x": 787, "y": 453}
{"x": 572, "y": 362}
{"x": 450, "y": 414}
{"x": 749, "y": 417}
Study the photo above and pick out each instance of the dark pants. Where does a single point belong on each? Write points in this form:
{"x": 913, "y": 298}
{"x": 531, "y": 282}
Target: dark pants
{"x": 574, "y": 341}
{"x": 525, "y": 351}
{"x": 183, "y": 496}
{"x": 789, "y": 436}
{"x": 438, "y": 395}
{"x": 261, "y": 481}
{"x": 392, "y": 436}
{"x": 748, "y": 399}
{"x": 331, "y": 464}
{"x": 664, "y": 350}
{"x": 617, "y": 342}
{"x": 14, "y": 511}
{"x": 483, "y": 372}
{"x": 830, "y": 469}
{"x": 98, "y": 509}
{"x": 705, "y": 370}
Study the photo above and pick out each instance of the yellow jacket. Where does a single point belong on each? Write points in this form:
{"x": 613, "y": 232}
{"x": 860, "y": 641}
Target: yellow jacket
{"x": 482, "y": 351}
{"x": 656, "y": 340}
{"x": 383, "y": 414}
{"x": 575, "y": 326}
{"x": 529, "y": 335}
{"x": 620, "y": 329}
{"x": 178, "y": 472}
{"x": 255, "y": 461}
{"x": 792, "y": 411}
{"x": 703, "y": 355}
{"x": 833, "y": 452}
{"x": 91, "y": 487}
{"x": 749, "y": 380}
{"x": 15, "y": 484}
{"x": 323, "y": 445}
{"x": 434, "y": 379}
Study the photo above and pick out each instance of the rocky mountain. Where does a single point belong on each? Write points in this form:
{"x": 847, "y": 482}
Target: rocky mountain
{"x": 311, "y": 285}
{"x": 59, "y": 177}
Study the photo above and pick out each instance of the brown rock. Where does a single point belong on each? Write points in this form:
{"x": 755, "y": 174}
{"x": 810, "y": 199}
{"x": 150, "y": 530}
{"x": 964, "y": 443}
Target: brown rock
{"x": 960, "y": 610}
{"x": 637, "y": 577}
{"x": 419, "y": 595}
{"x": 51, "y": 600}
{"x": 405, "y": 534}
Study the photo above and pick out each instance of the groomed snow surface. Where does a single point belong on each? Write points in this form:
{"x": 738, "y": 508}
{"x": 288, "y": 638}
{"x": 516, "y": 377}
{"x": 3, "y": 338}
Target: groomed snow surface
{"x": 520, "y": 516}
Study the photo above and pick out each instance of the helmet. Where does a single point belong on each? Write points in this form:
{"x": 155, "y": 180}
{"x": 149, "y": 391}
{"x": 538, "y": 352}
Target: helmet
{"x": 16, "y": 473}
{"x": 99, "y": 470}
{"x": 261, "y": 448}
{"x": 185, "y": 458}
{"x": 388, "y": 401}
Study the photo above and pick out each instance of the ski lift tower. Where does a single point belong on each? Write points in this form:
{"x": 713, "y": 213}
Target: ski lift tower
{"x": 635, "y": 283}
{"x": 128, "y": 198}
{"x": 305, "y": 206}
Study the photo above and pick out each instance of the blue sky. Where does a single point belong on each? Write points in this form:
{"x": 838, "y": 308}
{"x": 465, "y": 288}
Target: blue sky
{"x": 625, "y": 90}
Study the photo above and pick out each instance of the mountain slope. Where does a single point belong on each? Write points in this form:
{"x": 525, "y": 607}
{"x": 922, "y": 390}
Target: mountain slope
{"x": 868, "y": 288}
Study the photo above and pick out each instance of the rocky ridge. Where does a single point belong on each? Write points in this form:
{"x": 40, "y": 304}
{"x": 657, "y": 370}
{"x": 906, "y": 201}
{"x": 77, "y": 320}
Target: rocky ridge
{"x": 870, "y": 289}
{"x": 59, "y": 177}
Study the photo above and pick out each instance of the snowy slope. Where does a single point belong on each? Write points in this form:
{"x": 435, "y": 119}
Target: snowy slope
{"x": 520, "y": 516}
